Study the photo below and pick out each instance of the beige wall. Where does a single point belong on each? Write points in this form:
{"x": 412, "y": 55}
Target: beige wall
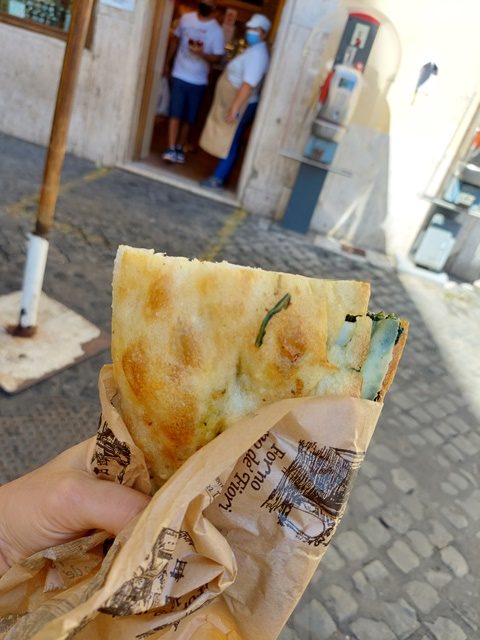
{"x": 285, "y": 110}
{"x": 425, "y": 134}
{"x": 396, "y": 149}
{"x": 109, "y": 86}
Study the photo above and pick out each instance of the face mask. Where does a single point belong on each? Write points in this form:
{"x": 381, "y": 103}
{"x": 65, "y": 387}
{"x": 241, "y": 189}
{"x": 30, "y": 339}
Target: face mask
{"x": 204, "y": 9}
{"x": 252, "y": 37}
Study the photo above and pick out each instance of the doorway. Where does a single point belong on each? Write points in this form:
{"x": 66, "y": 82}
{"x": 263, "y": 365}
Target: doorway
{"x": 151, "y": 138}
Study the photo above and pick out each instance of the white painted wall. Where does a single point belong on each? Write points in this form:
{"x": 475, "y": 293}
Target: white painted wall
{"x": 285, "y": 111}
{"x": 354, "y": 210}
{"x": 425, "y": 135}
{"x": 396, "y": 150}
{"x": 108, "y": 92}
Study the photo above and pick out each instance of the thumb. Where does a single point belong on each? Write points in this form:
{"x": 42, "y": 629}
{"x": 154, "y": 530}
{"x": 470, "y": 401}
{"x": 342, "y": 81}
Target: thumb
{"x": 108, "y": 506}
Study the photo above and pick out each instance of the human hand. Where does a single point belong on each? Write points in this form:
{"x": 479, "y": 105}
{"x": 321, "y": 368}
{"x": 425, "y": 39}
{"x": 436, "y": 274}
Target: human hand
{"x": 59, "y": 502}
{"x": 196, "y": 47}
{"x": 232, "y": 115}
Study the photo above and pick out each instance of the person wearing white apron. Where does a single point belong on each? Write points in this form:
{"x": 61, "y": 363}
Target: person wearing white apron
{"x": 235, "y": 101}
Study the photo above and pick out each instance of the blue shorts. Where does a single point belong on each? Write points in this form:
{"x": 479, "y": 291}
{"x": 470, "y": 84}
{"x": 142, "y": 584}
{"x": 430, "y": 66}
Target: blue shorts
{"x": 185, "y": 100}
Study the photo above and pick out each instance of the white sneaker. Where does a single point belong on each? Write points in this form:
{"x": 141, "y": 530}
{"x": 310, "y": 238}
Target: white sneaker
{"x": 180, "y": 155}
{"x": 170, "y": 155}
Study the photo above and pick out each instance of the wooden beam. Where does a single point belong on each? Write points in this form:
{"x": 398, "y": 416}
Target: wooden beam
{"x": 82, "y": 11}
{"x": 149, "y": 83}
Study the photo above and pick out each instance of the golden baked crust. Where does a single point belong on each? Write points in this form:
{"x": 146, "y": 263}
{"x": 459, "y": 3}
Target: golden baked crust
{"x": 184, "y": 349}
{"x": 397, "y": 354}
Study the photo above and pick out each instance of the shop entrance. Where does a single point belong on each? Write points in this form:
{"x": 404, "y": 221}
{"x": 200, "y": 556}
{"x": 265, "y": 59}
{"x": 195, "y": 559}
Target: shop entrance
{"x": 151, "y": 139}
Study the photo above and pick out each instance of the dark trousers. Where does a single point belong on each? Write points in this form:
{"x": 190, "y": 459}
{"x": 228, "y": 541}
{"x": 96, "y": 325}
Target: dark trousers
{"x": 225, "y": 166}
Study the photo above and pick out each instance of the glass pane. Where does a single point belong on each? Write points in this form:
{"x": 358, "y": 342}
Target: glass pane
{"x": 52, "y": 13}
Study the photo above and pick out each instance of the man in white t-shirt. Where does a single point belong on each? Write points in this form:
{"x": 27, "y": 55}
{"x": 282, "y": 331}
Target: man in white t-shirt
{"x": 198, "y": 42}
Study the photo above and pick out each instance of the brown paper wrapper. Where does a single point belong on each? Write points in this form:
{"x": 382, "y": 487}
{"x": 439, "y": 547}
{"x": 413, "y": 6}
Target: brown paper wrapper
{"x": 225, "y": 548}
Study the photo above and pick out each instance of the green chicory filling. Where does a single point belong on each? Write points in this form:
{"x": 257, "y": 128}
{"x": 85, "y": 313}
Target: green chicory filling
{"x": 281, "y": 304}
{"x": 386, "y": 332}
{"x": 384, "y": 336}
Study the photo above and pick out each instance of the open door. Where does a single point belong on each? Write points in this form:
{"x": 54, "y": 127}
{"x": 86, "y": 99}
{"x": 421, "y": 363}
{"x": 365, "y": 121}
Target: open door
{"x": 159, "y": 38}
{"x": 151, "y": 138}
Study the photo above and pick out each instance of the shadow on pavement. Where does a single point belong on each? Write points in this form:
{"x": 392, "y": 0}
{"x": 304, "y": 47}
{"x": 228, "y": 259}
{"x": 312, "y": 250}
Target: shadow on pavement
{"x": 406, "y": 554}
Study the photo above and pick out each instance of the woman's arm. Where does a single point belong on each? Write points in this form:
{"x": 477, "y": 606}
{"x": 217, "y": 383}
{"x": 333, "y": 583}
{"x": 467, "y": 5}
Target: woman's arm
{"x": 241, "y": 98}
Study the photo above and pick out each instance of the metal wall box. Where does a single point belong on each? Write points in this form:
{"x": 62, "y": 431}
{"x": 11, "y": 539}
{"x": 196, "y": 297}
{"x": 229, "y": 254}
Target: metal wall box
{"x": 437, "y": 243}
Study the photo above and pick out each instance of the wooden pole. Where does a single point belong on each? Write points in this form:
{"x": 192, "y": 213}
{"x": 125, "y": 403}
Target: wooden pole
{"x": 82, "y": 11}
{"x": 38, "y": 245}
{"x": 159, "y": 18}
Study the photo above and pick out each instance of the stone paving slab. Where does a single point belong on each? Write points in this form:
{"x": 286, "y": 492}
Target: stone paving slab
{"x": 404, "y": 563}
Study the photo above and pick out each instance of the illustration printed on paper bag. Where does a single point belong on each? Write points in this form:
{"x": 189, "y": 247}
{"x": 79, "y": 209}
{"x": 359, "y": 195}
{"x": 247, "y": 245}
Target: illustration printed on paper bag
{"x": 112, "y": 456}
{"x": 311, "y": 496}
{"x": 26, "y": 625}
{"x": 144, "y": 591}
{"x": 184, "y": 606}
{"x": 7, "y": 621}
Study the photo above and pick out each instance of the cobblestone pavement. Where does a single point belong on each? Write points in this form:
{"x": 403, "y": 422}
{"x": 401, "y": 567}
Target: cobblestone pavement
{"x": 404, "y": 563}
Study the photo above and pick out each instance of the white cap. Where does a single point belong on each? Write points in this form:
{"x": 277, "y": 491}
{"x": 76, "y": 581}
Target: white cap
{"x": 259, "y": 21}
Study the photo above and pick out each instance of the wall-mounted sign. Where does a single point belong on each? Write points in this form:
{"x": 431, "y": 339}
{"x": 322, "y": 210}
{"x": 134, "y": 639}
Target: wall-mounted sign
{"x": 126, "y": 5}
{"x": 229, "y": 24}
{"x": 230, "y": 17}
{"x": 360, "y": 35}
